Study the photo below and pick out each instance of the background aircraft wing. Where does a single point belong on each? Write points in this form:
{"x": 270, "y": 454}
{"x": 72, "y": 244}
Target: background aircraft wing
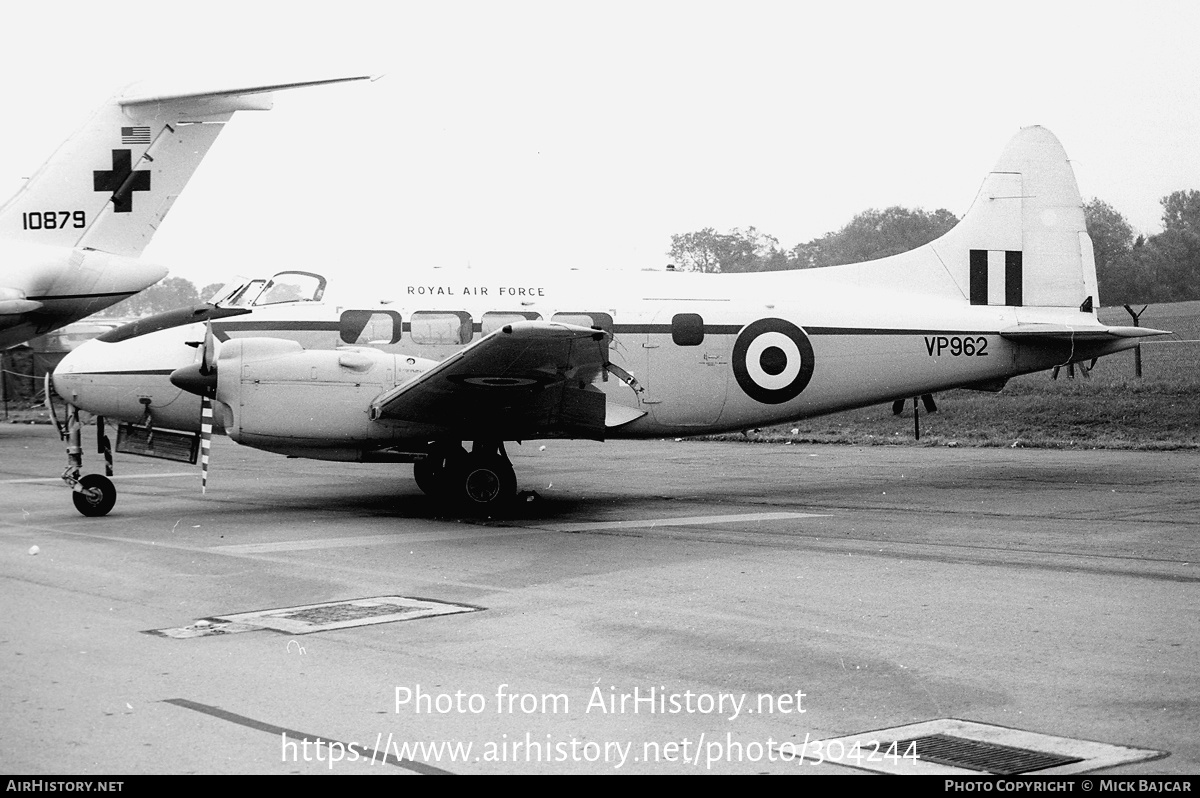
{"x": 525, "y": 380}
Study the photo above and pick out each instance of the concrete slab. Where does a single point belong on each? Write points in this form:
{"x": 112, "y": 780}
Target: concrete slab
{"x": 666, "y": 607}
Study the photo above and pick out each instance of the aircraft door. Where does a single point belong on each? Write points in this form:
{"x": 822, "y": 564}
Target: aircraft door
{"x": 687, "y": 369}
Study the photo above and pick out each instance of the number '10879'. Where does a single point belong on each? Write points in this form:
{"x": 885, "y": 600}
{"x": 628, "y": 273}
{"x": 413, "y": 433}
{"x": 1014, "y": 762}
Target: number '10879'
{"x": 53, "y": 220}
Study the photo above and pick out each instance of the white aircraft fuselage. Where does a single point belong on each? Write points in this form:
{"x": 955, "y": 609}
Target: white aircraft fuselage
{"x": 679, "y": 335}
{"x": 427, "y": 360}
{"x": 48, "y": 287}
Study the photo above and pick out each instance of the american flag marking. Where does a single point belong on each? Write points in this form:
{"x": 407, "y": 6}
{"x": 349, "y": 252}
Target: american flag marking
{"x": 135, "y": 135}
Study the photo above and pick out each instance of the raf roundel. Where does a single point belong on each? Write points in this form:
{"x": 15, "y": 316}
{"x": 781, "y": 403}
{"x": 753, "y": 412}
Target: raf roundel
{"x": 772, "y": 360}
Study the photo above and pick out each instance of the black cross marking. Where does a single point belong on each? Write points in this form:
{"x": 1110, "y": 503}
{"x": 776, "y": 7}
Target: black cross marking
{"x": 122, "y": 181}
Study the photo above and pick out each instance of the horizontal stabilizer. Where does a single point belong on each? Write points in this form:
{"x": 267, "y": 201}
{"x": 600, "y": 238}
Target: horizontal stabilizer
{"x": 1031, "y": 333}
{"x": 216, "y": 101}
{"x": 111, "y": 184}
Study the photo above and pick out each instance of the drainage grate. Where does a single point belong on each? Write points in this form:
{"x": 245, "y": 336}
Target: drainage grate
{"x": 338, "y": 613}
{"x": 319, "y": 617}
{"x": 1002, "y": 760}
{"x": 344, "y": 614}
{"x": 950, "y": 746}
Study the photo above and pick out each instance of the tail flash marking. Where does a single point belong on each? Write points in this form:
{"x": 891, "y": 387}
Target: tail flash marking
{"x": 992, "y": 278}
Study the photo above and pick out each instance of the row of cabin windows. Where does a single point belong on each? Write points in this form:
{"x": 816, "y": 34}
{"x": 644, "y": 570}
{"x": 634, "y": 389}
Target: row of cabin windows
{"x": 456, "y": 327}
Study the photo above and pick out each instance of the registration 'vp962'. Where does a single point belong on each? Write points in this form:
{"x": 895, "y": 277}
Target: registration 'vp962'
{"x": 956, "y": 345}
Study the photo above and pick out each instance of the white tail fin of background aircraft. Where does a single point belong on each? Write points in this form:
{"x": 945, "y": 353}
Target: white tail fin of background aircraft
{"x": 111, "y": 183}
{"x": 69, "y": 237}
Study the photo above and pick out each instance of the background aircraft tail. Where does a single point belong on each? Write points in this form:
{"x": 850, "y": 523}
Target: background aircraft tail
{"x": 1023, "y": 243}
{"x": 110, "y": 185}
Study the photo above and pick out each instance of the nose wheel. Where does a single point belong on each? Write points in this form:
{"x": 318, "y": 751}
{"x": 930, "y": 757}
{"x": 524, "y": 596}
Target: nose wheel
{"x": 94, "y": 495}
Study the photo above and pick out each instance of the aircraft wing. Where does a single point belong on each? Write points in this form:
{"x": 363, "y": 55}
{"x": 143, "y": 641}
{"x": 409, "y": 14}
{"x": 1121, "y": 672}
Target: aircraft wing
{"x": 525, "y": 380}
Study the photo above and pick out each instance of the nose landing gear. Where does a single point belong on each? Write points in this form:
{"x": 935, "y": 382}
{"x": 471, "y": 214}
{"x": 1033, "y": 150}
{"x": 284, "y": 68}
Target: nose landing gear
{"x": 93, "y": 494}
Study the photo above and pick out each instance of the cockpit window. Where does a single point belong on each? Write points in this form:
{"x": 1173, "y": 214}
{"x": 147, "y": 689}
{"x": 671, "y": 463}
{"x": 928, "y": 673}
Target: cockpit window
{"x": 292, "y": 287}
{"x": 243, "y": 295}
{"x": 234, "y": 286}
{"x": 283, "y": 287}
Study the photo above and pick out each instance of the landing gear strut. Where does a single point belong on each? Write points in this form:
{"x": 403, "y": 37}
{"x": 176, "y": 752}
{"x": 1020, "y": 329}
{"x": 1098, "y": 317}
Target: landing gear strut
{"x": 479, "y": 481}
{"x": 94, "y": 495}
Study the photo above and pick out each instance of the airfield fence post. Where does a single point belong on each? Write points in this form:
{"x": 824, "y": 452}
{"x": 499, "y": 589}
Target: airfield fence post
{"x": 1137, "y": 350}
{"x": 4, "y": 380}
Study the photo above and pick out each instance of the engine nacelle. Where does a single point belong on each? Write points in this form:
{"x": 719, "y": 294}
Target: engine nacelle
{"x": 273, "y": 394}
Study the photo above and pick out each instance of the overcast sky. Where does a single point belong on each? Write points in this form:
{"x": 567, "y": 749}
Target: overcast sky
{"x": 511, "y": 135}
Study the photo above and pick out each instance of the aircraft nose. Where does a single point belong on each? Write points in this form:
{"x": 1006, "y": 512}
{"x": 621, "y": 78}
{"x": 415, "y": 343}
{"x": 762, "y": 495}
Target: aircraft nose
{"x": 65, "y": 377}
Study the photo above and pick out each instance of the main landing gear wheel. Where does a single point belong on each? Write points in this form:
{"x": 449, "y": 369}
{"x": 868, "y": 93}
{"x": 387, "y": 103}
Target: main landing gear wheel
{"x": 433, "y": 473}
{"x": 96, "y": 496}
{"x": 485, "y": 482}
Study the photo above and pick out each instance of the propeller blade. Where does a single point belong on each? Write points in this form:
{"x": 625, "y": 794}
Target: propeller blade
{"x": 206, "y": 425}
{"x": 208, "y": 352}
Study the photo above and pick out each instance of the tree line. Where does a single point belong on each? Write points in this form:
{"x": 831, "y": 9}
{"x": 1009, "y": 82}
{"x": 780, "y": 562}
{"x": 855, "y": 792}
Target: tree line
{"x": 1130, "y": 268}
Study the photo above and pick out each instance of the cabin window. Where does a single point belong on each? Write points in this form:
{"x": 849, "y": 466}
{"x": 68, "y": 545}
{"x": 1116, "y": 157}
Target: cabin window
{"x": 370, "y": 327}
{"x": 586, "y": 319}
{"x": 687, "y": 329}
{"x": 494, "y": 320}
{"x": 445, "y": 327}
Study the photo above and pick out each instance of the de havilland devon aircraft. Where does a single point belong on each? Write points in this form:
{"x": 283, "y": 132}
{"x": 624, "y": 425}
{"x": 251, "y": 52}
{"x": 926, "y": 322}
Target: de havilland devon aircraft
{"x": 408, "y": 376}
{"x": 70, "y": 238}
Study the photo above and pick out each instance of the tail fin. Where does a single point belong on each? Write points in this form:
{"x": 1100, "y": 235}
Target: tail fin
{"x": 1024, "y": 242}
{"x": 110, "y": 185}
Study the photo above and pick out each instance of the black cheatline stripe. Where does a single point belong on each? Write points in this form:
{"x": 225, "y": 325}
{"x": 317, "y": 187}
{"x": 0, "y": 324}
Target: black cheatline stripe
{"x": 123, "y": 373}
{"x": 733, "y": 329}
{"x": 258, "y": 725}
{"x": 277, "y": 324}
{"x": 267, "y": 325}
{"x": 79, "y": 296}
{"x": 880, "y": 331}
{"x": 626, "y": 329}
